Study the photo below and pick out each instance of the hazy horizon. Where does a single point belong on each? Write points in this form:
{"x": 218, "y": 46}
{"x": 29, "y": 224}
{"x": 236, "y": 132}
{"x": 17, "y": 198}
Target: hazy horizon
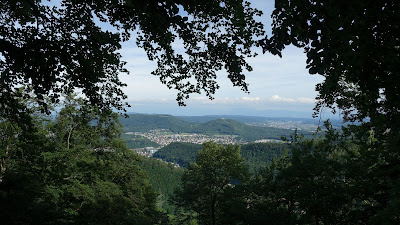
{"x": 267, "y": 114}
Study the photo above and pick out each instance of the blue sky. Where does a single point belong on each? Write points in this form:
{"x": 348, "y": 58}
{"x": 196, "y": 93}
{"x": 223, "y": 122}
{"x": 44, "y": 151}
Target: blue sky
{"x": 278, "y": 86}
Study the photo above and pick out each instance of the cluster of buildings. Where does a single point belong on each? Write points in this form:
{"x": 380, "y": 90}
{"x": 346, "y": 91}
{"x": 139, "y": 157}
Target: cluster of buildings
{"x": 269, "y": 141}
{"x": 149, "y": 151}
{"x": 146, "y": 151}
{"x": 164, "y": 138}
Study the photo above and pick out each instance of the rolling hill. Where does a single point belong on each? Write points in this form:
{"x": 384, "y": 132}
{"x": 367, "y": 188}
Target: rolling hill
{"x": 257, "y": 155}
{"x": 259, "y": 119}
{"x": 244, "y": 132}
{"x": 147, "y": 122}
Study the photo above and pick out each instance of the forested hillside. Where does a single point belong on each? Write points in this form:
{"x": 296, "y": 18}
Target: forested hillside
{"x": 260, "y": 155}
{"x": 178, "y": 152}
{"x": 257, "y": 155}
{"x": 243, "y": 131}
{"x": 137, "y": 141}
{"x": 144, "y": 123}
{"x": 204, "y": 119}
{"x": 147, "y": 122}
{"x": 257, "y": 119}
{"x": 74, "y": 169}
{"x": 164, "y": 178}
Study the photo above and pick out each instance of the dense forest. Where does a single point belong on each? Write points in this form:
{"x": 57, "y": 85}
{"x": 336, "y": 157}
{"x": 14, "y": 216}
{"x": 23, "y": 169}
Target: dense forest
{"x": 137, "y": 141}
{"x": 62, "y": 158}
{"x": 257, "y": 155}
{"x": 323, "y": 181}
{"x": 165, "y": 178}
{"x": 178, "y": 152}
{"x": 73, "y": 169}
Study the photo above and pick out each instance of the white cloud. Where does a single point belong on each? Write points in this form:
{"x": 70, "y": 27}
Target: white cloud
{"x": 306, "y": 100}
{"x": 277, "y": 98}
{"x": 226, "y": 100}
{"x": 251, "y": 100}
{"x": 248, "y": 99}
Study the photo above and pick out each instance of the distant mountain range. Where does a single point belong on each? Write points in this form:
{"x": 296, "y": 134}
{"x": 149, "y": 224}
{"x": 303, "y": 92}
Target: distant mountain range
{"x": 207, "y": 125}
{"x": 255, "y": 119}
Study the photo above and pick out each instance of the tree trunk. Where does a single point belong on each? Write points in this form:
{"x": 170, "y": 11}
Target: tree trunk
{"x": 213, "y": 210}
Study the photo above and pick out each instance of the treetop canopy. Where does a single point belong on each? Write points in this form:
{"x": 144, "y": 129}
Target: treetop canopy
{"x": 57, "y": 48}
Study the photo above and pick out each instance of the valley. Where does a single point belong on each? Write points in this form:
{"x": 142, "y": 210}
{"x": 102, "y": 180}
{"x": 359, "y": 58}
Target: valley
{"x": 164, "y": 129}
{"x": 147, "y": 134}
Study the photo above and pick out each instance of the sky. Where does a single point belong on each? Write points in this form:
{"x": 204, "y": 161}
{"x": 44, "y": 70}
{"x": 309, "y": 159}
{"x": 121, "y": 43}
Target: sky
{"x": 279, "y": 87}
